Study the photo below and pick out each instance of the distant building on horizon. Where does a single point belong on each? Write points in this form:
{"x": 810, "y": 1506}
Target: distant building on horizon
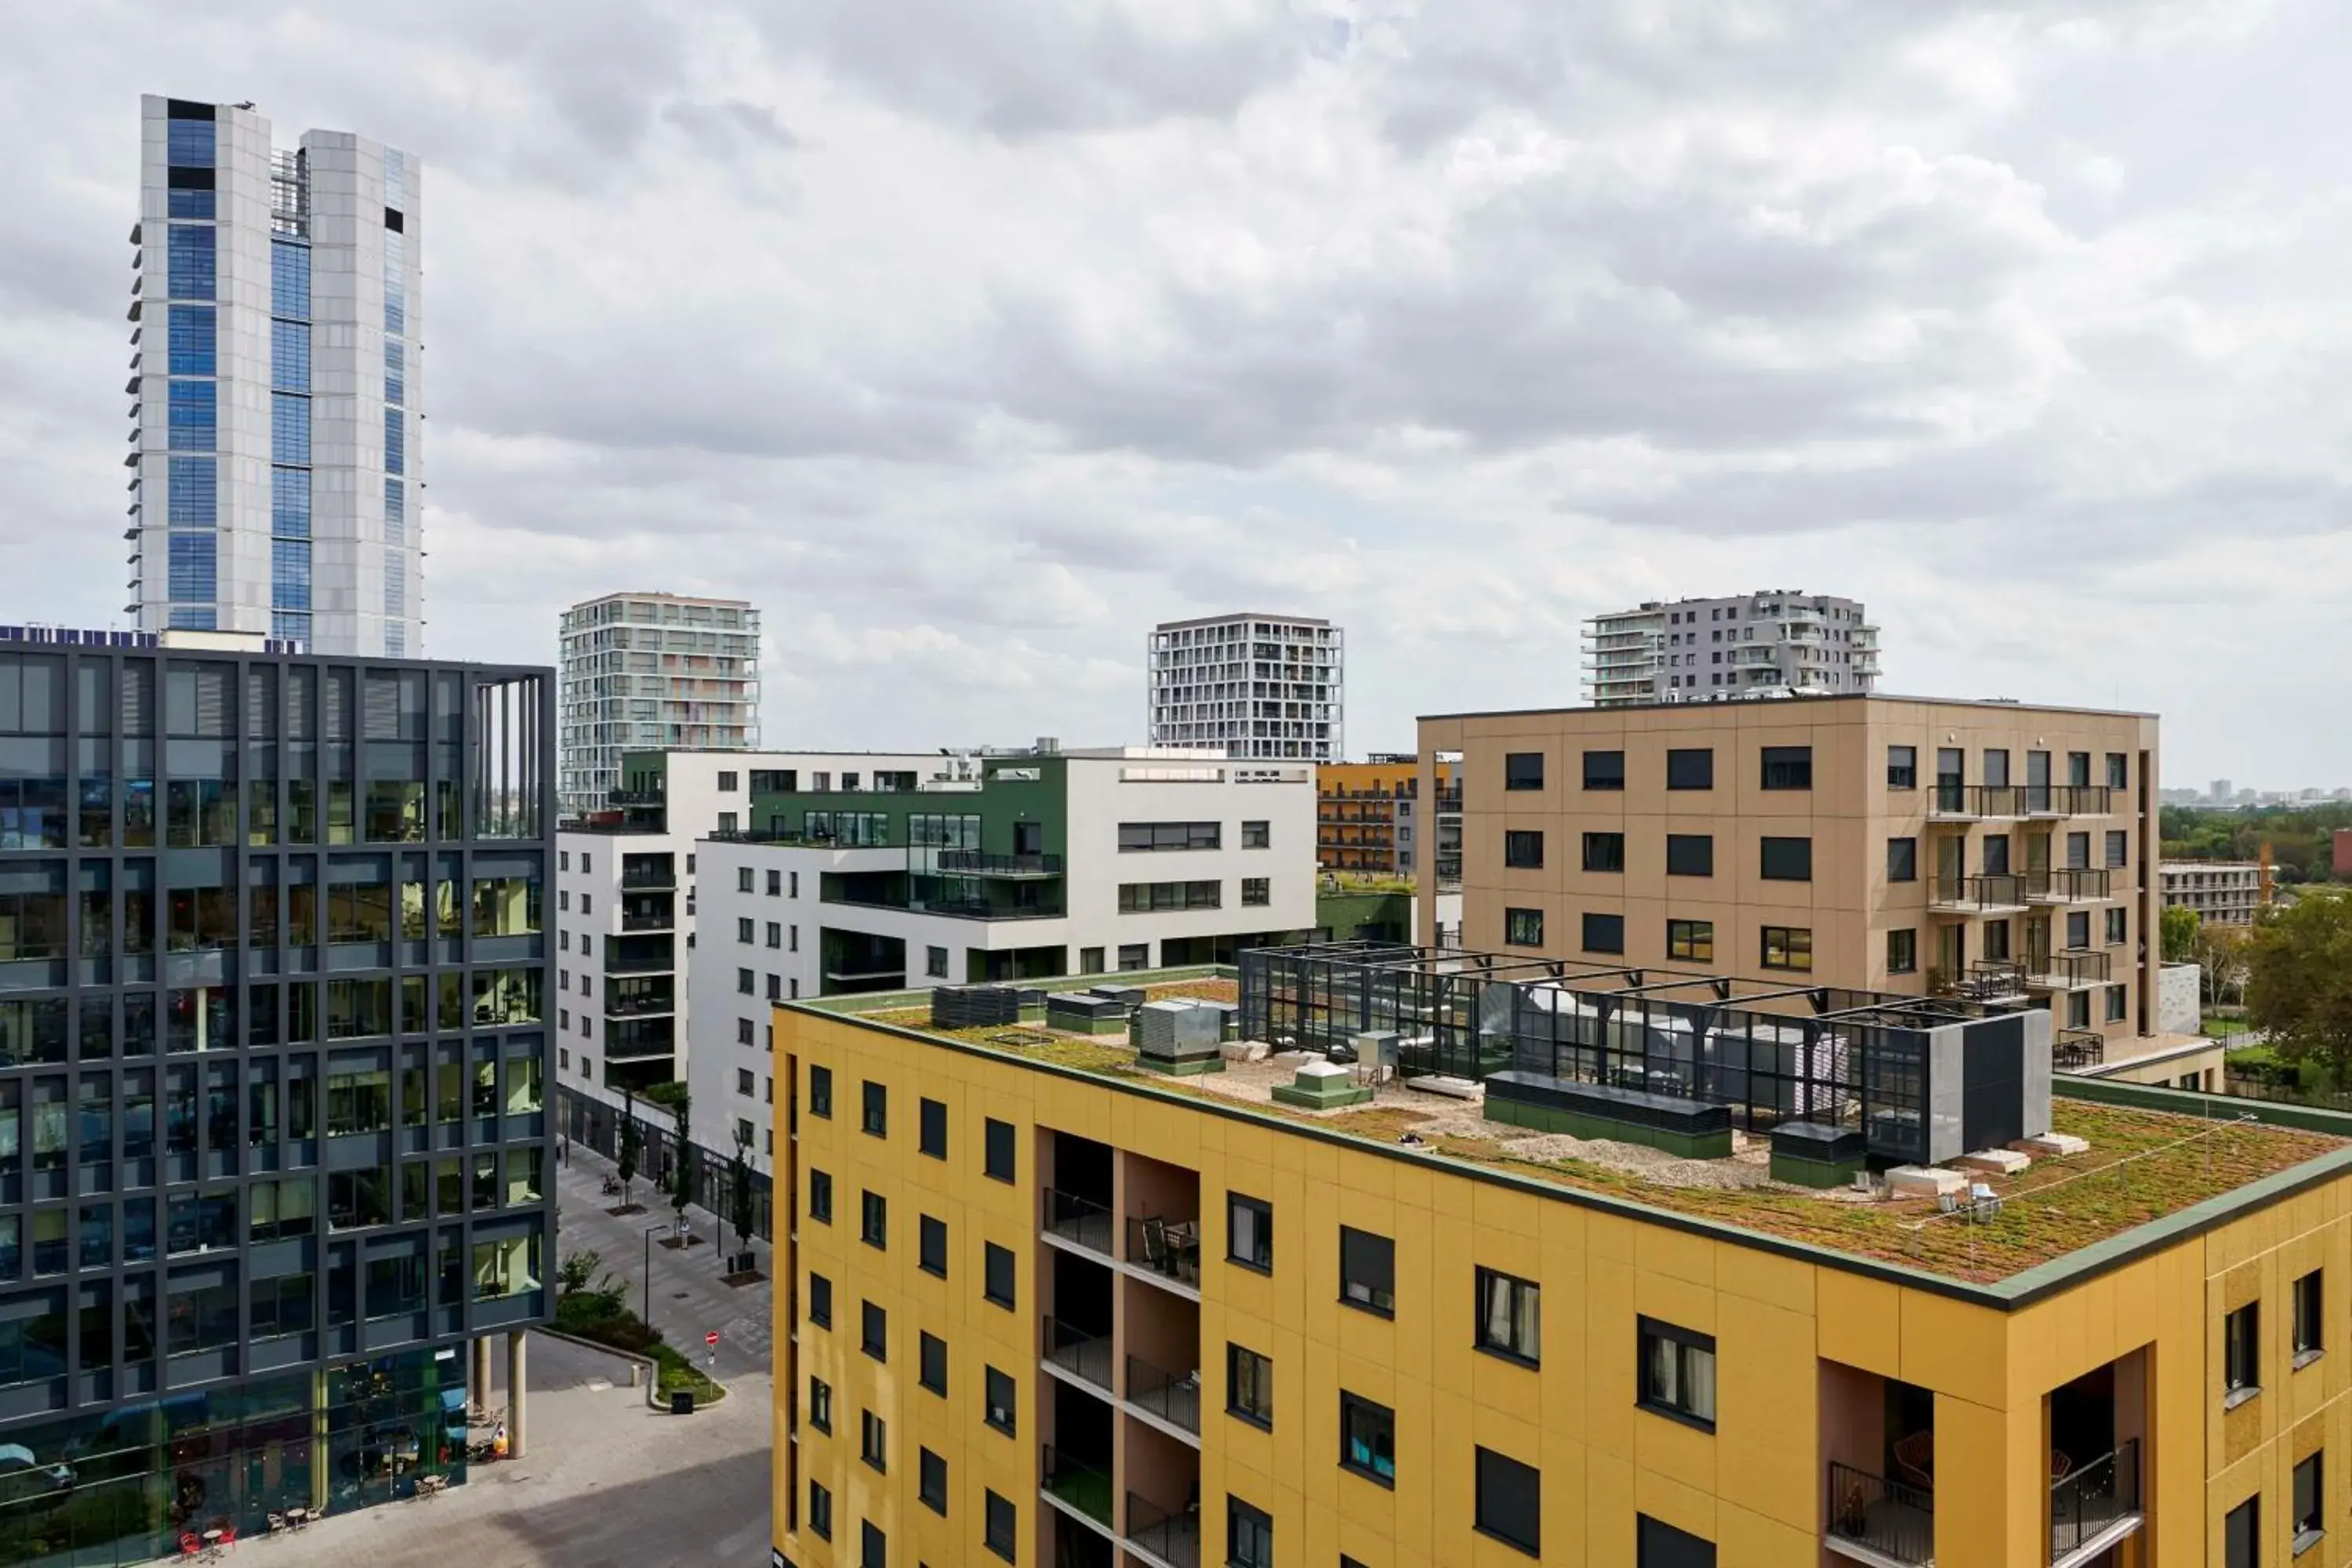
{"x": 1260, "y": 687}
{"x": 653, "y": 672}
{"x": 2222, "y": 892}
{"x": 1771, "y": 643}
{"x": 275, "y": 383}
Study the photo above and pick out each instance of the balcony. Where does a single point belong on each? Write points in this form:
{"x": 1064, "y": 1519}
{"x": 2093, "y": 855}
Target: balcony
{"x": 2069, "y": 970}
{"x": 967, "y": 909}
{"x": 1873, "y": 1520}
{"x": 978, "y": 863}
{"x": 1991, "y": 893}
{"x": 2067, "y": 800}
{"x": 1171, "y": 1397}
{"x": 2095, "y": 1506}
{"x": 1085, "y": 1356}
{"x": 1079, "y": 1223}
{"x": 1166, "y": 1250}
{"x": 638, "y": 1006}
{"x": 1987, "y": 982}
{"x": 2076, "y": 1049}
{"x": 1078, "y": 1488}
{"x": 1171, "y": 1539}
{"x": 1952, "y": 801}
{"x": 2068, "y": 885}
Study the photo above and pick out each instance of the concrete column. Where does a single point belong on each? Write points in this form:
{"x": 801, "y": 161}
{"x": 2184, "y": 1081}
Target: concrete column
{"x": 515, "y": 1341}
{"x": 477, "y": 1390}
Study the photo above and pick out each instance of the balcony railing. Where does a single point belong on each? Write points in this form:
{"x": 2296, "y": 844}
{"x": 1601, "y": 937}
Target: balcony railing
{"x": 1080, "y": 1485}
{"x": 969, "y": 908}
{"x": 2068, "y": 970}
{"x": 649, "y": 881}
{"x": 2067, "y": 800}
{"x": 1985, "y": 981}
{"x": 2068, "y": 885}
{"x": 979, "y": 863}
{"x": 1989, "y": 893}
{"x": 1173, "y": 1538}
{"x": 1169, "y": 1248}
{"x": 1955, "y": 802}
{"x": 1891, "y": 1519}
{"x": 2087, "y": 1501}
{"x": 1081, "y": 1353}
{"x": 1080, "y": 1220}
{"x": 648, "y": 922}
{"x": 638, "y": 1006}
{"x": 1174, "y": 1398}
{"x": 2076, "y": 1049}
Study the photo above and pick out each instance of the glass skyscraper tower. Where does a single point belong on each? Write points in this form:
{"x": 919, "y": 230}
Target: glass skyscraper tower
{"x": 276, "y": 369}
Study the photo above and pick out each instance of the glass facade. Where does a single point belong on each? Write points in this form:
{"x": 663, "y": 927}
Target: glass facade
{"x": 193, "y": 333}
{"x": 189, "y": 262}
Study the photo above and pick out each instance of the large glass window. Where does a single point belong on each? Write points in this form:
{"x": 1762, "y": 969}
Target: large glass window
{"x": 289, "y": 279}
{"x": 1249, "y": 1232}
{"x": 1788, "y": 947}
{"x": 1510, "y": 1503}
{"x": 1691, "y": 941}
{"x": 1523, "y": 928}
{"x": 1150, "y": 836}
{"x": 1788, "y": 859}
{"x": 1523, "y": 770}
{"x": 1678, "y": 1373}
{"x": 1788, "y": 767}
{"x": 1523, "y": 848}
{"x": 1690, "y": 769}
{"x": 189, "y": 265}
{"x": 195, "y": 333}
{"x": 289, "y": 429}
{"x": 1509, "y": 1319}
{"x": 1604, "y": 770}
{"x": 1690, "y": 854}
{"x": 1367, "y": 1270}
{"x": 193, "y": 416}
{"x": 1367, "y": 1439}
{"x": 1249, "y": 1386}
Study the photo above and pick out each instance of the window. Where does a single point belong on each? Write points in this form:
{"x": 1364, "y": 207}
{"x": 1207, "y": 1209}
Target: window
{"x": 820, "y": 1412}
{"x": 1788, "y": 947}
{"x": 2310, "y": 1524}
{"x": 996, "y": 1154}
{"x": 1902, "y": 767}
{"x": 743, "y": 1036}
{"x": 775, "y": 884}
{"x": 820, "y": 1196}
{"x": 932, "y": 1244}
{"x": 2118, "y": 771}
{"x": 1522, "y": 770}
{"x": 1148, "y": 836}
{"x": 1368, "y": 1271}
{"x": 874, "y": 1332}
{"x": 1510, "y": 1316}
{"x": 997, "y": 1409}
{"x": 996, "y": 1281}
{"x": 873, "y": 1439}
{"x": 1604, "y": 852}
{"x": 2118, "y": 926}
{"x": 1690, "y": 769}
{"x": 875, "y": 1109}
{"x": 2078, "y": 1009}
{"x": 1902, "y": 952}
{"x": 1249, "y": 1233}
{"x": 2118, "y": 848}
{"x": 931, "y": 1134}
{"x": 1693, "y": 942}
{"x": 1788, "y": 767}
{"x": 2242, "y": 1368}
{"x": 932, "y": 1485}
{"x": 1604, "y": 770}
{"x": 1902, "y": 859}
{"x": 1249, "y": 1386}
{"x": 1525, "y": 850}
{"x": 931, "y": 1363}
{"x": 2242, "y": 1535}
{"x": 743, "y": 1080}
{"x": 1690, "y": 854}
{"x": 1367, "y": 1439}
{"x": 1678, "y": 1373}
{"x": 820, "y": 1310}
{"x": 1134, "y": 956}
{"x": 2308, "y": 1340}
{"x": 1256, "y": 892}
{"x": 873, "y": 1551}
{"x": 743, "y": 878}
{"x": 1145, "y": 898}
{"x": 820, "y": 1091}
{"x": 1657, "y": 1545}
{"x": 1510, "y": 1501}
{"x": 1257, "y": 836}
{"x": 1603, "y": 934}
{"x": 1001, "y": 1526}
{"x": 1523, "y": 928}
{"x": 820, "y": 1512}
{"x": 2119, "y": 1003}
{"x": 745, "y": 931}
{"x": 1788, "y": 859}
{"x": 1249, "y": 1535}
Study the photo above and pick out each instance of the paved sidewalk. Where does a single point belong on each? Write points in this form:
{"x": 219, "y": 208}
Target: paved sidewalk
{"x": 689, "y": 1299}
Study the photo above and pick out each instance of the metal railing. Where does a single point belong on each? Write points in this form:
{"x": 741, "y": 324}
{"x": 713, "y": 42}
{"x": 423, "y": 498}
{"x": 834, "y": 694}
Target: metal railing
{"x": 1893, "y": 1518}
{"x": 2068, "y": 969}
{"x": 638, "y": 1006}
{"x": 2089, "y": 1498}
{"x": 2068, "y": 800}
{"x": 1168, "y": 1248}
{"x": 967, "y": 909}
{"x": 1986, "y": 979}
{"x": 649, "y": 923}
{"x": 1985, "y": 890}
{"x": 981, "y": 863}
{"x": 649, "y": 881}
{"x": 1174, "y": 1398}
{"x": 2069, "y": 884}
{"x": 1173, "y": 1538}
{"x": 2076, "y": 1049}
{"x": 1074, "y": 1350}
{"x": 1080, "y": 1220}
{"x": 1970, "y": 801}
{"x": 1079, "y": 1484}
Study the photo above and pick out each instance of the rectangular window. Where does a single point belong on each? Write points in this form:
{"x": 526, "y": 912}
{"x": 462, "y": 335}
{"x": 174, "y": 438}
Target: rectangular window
{"x": 2078, "y": 1009}
{"x": 931, "y": 1365}
{"x": 1788, "y": 947}
{"x": 1368, "y": 1271}
{"x": 998, "y": 1406}
{"x": 1657, "y": 1545}
{"x": 819, "y": 1309}
{"x": 1690, "y": 854}
{"x": 996, "y": 1283}
{"x": 872, "y": 1440}
{"x": 189, "y": 270}
{"x": 874, "y": 1332}
{"x": 2118, "y": 926}
{"x": 191, "y": 492}
{"x": 820, "y": 1196}
{"x": 289, "y": 356}
{"x": 2118, "y": 771}
{"x": 2242, "y": 1366}
{"x": 1367, "y": 1439}
{"x": 1902, "y": 767}
{"x": 875, "y": 1112}
{"x": 1509, "y": 1501}
{"x": 1788, "y": 767}
{"x": 1249, "y": 1386}
{"x": 1603, "y": 934}
{"x": 192, "y": 411}
{"x": 1604, "y": 770}
{"x": 1691, "y": 941}
{"x": 289, "y": 429}
{"x": 2308, "y": 1339}
{"x": 873, "y": 1551}
{"x": 1144, "y": 838}
{"x": 395, "y": 442}
{"x": 1249, "y": 1535}
{"x": 931, "y": 1128}
{"x": 2118, "y": 848}
{"x": 1256, "y": 892}
{"x": 1523, "y": 928}
{"x": 2310, "y": 1519}
{"x": 1510, "y": 1316}
{"x": 820, "y": 1512}
{"x": 1249, "y": 1232}
{"x": 2242, "y": 1535}
{"x": 1002, "y": 1525}
{"x": 932, "y": 1244}
{"x": 1788, "y": 859}
{"x": 1524, "y": 849}
{"x": 1604, "y": 852}
{"x": 820, "y": 1089}
{"x": 820, "y": 1405}
{"x": 1522, "y": 770}
{"x": 2119, "y": 1003}
{"x": 1146, "y": 897}
{"x": 193, "y": 348}
{"x": 1692, "y": 769}
{"x": 1678, "y": 1373}
{"x": 931, "y": 1484}
{"x": 996, "y": 1153}
{"x": 290, "y": 280}
{"x": 1902, "y": 952}
{"x": 1903, "y": 859}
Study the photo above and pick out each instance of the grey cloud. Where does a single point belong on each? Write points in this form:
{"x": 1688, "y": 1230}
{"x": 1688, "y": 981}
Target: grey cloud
{"x": 730, "y": 125}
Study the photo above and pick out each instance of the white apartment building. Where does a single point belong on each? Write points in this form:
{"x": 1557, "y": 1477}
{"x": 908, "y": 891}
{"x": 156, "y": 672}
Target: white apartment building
{"x": 2222, "y": 892}
{"x": 651, "y": 673}
{"x": 1256, "y": 687}
{"x": 1772, "y": 643}
{"x": 1042, "y": 868}
{"x": 276, "y": 384}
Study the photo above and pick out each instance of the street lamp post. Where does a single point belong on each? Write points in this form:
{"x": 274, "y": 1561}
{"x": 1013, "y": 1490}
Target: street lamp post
{"x": 650, "y": 1230}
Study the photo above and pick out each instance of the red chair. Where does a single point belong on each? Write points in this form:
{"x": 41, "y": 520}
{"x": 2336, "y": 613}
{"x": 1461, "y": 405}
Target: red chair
{"x": 191, "y": 1546}
{"x": 228, "y": 1533}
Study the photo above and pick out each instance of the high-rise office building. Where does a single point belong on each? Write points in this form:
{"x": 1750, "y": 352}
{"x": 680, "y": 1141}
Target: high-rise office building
{"x": 276, "y": 374}
{"x": 273, "y": 1139}
{"x": 1257, "y": 686}
{"x": 653, "y": 672}
{"x": 1773, "y": 643}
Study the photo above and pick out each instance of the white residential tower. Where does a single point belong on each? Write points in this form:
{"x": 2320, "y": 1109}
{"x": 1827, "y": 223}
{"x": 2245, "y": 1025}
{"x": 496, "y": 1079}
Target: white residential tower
{"x": 1260, "y": 687}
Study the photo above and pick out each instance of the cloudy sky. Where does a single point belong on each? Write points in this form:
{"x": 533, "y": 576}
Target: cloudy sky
{"x": 968, "y": 337}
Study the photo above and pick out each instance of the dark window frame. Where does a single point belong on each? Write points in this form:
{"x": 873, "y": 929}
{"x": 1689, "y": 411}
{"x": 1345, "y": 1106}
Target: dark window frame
{"x": 1261, "y": 1381}
{"x": 1351, "y": 1405}
{"x": 2309, "y": 1509}
{"x": 1601, "y": 932}
{"x": 1515, "y": 776}
{"x": 1523, "y": 849}
{"x": 1680, "y": 858}
{"x": 932, "y": 1244}
{"x": 1910, "y": 965}
{"x": 1001, "y": 1529}
{"x": 927, "y": 1345}
{"x": 1787, "y": 768}
{"x": 1009, "y": 1407}
{"x": 993, "y": 1260}
{"x": 931, "y": 1480}
{"x": 1789, "y": 948}
{"x": 1604, "y": 771}
{"x": 821, "y": 1092}
{"x": 1794, "y": 859}
{"x": 1006, "y": 1170}
{"x": 1523, "y": 1294}
{"x": 1264, "y": 1213}
{"x": 874, "y": 1330}
{"x": 1684, "y": 942}
{"x": 1523, "y": 928}
{"x": 1259, "y": 1528}
{"x": 1902, "y": 767}
{"x": 1376, "y": 1254}
{"x": 2241, "y": 1354}
{"x": 1683, "y": 773}
{"x": 1605, "y": 853}
{"x": 1524, "y": 1480}
{"x": 1903, "y": 859}
{"x": 1685, "y": 1344}
{"x": 931, "y": 1128}
{"x": 2309, "y": 1295}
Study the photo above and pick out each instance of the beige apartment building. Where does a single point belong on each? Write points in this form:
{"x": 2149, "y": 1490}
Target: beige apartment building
{"x": 1984, "y": 850}
{"x": 2222, "y": 892}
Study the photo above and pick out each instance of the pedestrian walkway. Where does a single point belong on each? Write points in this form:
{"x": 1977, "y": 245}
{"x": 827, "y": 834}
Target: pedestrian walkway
{"x": 688, "y": 1297}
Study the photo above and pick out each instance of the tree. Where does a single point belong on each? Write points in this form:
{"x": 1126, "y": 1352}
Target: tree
{"x": 2180, "y": 928}
{"x": 688, "y": 1167}
{"x": 2299, "y": 986}
{"x": 739, "y": 1191}
{"x": 2222, "y": 953}
{"x": 632, "y": 1143}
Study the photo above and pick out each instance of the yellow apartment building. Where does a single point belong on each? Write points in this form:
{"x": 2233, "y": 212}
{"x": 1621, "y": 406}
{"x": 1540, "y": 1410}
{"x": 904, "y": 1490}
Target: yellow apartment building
{"x": 1368, "y": 815}
{"x": 1039, "y": 1304}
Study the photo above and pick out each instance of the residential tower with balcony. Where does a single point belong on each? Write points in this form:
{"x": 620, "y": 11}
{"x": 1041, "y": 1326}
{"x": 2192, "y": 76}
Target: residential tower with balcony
{"x": 1772, "y": 643}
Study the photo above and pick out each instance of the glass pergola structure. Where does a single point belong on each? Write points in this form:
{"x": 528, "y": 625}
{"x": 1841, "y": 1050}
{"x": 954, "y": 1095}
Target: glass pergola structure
{"x": 1822, "y": 1053}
